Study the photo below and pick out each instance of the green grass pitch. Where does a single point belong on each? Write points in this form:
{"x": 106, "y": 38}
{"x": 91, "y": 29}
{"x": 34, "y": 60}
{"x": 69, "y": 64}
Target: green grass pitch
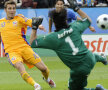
{"x": 10, "y": 79}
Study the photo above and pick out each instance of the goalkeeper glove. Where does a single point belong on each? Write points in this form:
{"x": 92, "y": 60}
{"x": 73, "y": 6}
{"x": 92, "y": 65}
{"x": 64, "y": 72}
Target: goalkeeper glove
{"x": 36, "y": 21}
{"x": 73, "y": 5}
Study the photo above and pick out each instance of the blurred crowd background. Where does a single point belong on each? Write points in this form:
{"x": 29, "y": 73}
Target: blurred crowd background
{"x": 51, "y": 3}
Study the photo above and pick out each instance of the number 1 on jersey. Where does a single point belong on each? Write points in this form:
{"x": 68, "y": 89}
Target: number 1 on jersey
{"x": 71, "y": 44}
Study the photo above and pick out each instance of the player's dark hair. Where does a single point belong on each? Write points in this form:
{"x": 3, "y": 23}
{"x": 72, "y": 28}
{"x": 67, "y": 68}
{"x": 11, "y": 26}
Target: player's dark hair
{"x": 9, "y": 2}
{"x": 60, "y": 0}
{"x": 60, "y": 19}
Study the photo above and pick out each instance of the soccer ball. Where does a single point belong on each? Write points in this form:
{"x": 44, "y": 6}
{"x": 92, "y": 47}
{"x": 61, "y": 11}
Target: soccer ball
{"x": 102, "y": 21}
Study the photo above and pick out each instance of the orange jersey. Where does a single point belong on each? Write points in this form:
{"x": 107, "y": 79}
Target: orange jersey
{"x": 13, "y": 32}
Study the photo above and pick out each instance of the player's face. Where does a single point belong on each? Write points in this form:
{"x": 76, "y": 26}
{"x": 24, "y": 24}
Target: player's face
{"x": 59, "y": 6}
{"x": 10, "y": 11}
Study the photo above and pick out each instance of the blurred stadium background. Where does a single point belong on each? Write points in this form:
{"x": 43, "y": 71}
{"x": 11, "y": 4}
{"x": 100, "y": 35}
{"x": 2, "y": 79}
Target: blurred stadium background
{"x": 97, "y": 42}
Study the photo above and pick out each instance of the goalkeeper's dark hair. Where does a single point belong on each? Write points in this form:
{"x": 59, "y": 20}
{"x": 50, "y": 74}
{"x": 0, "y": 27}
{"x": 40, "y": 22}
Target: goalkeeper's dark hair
{"x": 9, "y": 2}
{"x": 60, "y": 19}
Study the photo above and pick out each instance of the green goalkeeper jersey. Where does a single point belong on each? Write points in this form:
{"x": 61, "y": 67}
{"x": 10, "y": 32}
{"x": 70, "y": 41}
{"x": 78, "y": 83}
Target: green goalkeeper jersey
{"x": 67, "y": 43}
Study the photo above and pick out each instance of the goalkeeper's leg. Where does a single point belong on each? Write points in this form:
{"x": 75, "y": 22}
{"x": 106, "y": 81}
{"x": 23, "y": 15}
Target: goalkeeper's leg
{"x": 101, "y": 58}
{"x": 77, "y": 83}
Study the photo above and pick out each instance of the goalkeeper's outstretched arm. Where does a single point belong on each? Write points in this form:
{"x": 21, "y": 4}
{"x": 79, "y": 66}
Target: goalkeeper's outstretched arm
{"x": 74, "y": 6}
{"x": 36, "y": 23}
{"x": 83, "y": 15}
{"x": 33, "y": 35}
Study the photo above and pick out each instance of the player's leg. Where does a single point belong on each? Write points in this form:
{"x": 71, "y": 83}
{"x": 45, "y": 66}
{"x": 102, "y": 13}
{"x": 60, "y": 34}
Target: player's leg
{"x": 45, "y": 72}
{"x": 101, "y": 58}
{"x": 16, "y": 60}
{"x": 33, "y": 58}
{"x": 26, "y": 77}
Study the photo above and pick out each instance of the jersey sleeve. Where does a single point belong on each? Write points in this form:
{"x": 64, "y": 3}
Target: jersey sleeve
{"x": 82, "y": 25}
{"x": 85, "y": 23}
{"x": 47, "y": 42}
{"x": 24, "y": 20}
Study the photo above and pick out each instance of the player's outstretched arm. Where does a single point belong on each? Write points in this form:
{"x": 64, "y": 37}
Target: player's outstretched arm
{"x": 74, "y": 6}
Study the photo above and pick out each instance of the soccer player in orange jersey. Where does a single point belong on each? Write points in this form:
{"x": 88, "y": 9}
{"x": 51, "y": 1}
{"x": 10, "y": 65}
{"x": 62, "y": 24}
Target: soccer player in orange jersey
{"x": 13, "y": 35}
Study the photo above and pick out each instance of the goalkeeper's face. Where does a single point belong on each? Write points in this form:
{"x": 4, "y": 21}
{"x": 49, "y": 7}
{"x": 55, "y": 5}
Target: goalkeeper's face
{"x": 10, "y": 11}
{"x": 59, "y": 6}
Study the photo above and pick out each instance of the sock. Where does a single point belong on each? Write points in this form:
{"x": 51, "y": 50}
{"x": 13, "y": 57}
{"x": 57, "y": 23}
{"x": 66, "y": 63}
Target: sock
{"x": 27, "y": 78}
{"x": 36, "y": 85}
{"x": 46, "y": 74}
{"x": 48, "y": 80}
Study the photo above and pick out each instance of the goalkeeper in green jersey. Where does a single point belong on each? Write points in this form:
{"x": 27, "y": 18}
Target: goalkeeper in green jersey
{"x": 66, "y": 41}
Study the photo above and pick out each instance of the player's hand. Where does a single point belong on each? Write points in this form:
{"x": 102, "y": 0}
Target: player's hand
{"x": 73, "y": 5}
{"x": 41, "y": 27}
{"x": 36, "y": 21}
{"x": 92, "y": 29}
